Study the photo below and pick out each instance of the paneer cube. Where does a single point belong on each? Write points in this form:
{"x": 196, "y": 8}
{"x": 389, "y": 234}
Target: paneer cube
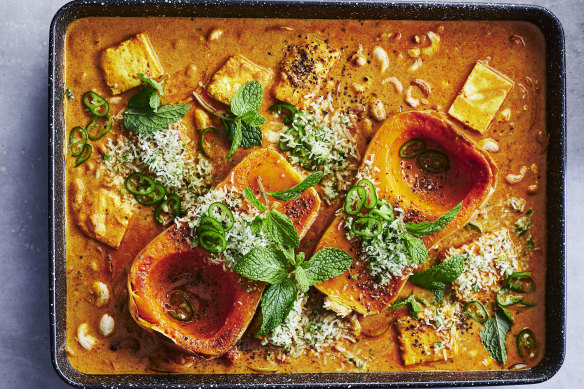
{"x": 481, "y": 97}
{"x": 304, "y": 70}
{"x": 121, "y": 63}
{"x": 100, "y": 213}
{"x": 236, "y": 72}
{"x": 421, "y": 343}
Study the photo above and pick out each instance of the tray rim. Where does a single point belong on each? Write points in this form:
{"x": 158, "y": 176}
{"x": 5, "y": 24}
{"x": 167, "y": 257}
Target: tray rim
{"x": 546, "y": 21}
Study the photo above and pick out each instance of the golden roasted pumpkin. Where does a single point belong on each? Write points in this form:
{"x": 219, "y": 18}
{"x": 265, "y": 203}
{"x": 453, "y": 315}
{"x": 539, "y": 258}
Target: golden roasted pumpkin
{"x": 424, "y": 196}
{"x": 222, "y": 302}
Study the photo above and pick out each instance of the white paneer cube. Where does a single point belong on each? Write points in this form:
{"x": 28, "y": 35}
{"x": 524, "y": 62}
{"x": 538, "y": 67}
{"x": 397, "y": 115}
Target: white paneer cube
{"x": 236, "y": 72}
{"x": 481, "y": 97}
{"x": 122, "y": 62}
{"x": 100, "y": 213}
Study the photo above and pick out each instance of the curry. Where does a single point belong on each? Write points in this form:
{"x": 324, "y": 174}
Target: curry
{"x": 286, "y": 195}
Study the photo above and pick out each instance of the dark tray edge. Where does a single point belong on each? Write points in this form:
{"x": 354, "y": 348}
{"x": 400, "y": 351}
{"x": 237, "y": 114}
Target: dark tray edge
{"x": 555, "y": 122}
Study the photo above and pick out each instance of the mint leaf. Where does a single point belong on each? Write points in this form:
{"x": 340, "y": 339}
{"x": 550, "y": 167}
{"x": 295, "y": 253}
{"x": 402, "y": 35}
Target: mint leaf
{"x": 493, "y": 336}
{"x": 302, "y": 279}
{"x": 254, "y": 119}
{"x": 277, "y": 302}
{"x": 254, "y": 200}
{"x": 429, "y": 228}
{"x": 144, "y": 121}
{"x": 296, "y": 190}
{"x": 447, "y": 271}
{"x": 438, "y": 276}
{"x": 237, "y": 137}
{"x": 327, "y": 263}
{"x": 280, "y": 229}
{"x": 247, "y": 98}
{"x": 263, "y": 264}
{"x": 416, "y": 248}
{"x": 257, "y": 224}
{"x": 146, "y": 99}
{"x": 150, "y": 82}
{"x": 154, "y": 102}
{"x": 413, "y": 306}
{"x": 250, "y": 136}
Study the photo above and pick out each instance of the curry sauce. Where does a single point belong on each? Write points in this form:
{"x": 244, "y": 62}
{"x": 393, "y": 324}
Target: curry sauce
{"x": 381, "y": 68}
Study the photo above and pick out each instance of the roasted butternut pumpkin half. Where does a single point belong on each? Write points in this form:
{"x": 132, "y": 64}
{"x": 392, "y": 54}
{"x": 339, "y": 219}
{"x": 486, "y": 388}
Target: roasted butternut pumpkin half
{"x": 469, "y": 177}
{"x": 200, "y": 307}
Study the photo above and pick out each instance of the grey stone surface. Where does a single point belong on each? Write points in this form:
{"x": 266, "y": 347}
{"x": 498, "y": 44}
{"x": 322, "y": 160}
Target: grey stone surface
{"x": 24, "y": 319}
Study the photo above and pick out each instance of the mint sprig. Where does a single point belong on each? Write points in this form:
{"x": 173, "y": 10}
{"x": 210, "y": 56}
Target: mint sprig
{"x": 429, "y": 228}
{"x": 242, "y": 124}
{"x": 493, "y": 336}
{"x": 267, "y": 265}
{"x": 438, "y": 276}
{"x": 145, "y": 115}
{"x": 278, "y": 263}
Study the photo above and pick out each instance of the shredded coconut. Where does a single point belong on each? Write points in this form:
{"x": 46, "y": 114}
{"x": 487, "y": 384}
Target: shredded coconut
{"x": 490, "y": 259}
{"x": 311, "y": 328}
{"x": 324, "y": 133}
{"x": 165, "y": 157}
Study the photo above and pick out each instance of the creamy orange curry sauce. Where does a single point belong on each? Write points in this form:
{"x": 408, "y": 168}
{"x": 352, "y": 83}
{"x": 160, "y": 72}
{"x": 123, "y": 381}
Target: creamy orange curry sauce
{"x": 484, "y": 82}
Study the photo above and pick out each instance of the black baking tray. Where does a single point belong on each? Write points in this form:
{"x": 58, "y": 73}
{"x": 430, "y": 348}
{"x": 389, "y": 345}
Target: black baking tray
{"x": 373, "y": 9}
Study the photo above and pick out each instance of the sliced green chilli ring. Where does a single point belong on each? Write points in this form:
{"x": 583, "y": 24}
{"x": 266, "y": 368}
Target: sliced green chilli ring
{"x": 355, "y": 200}
{"x": 412, "y": 148}
{"x": 291, "y": 132}
{"x": 93, "y": 102}
{"x": 383, "y": 211}
{"x": 206, "y": 130}
{"x": 171, "y": 206}
{"x": 85, "y": 154}
{"x": 433, "y": 161}
{"x": 212, "y": 241}
{"x": 506, "y": 297}
{"x": 222, "y": 213}
{"x": 139, "y": 184}
{"x": 184, "y": 311}
{"x": 371, "y": 199}
{"x": 521, "y": 282}
{"x": 366, "y": 227}
{"x": 153, "y": 197}
{"x": 103, "y": 125}
{"x": 209, "y": 223}
{"x": 77, "y": 141}
{"x": 526, "y": 341}
{"x": 507, "y": 313}
{"x": 476, "y": 311}
{"x": 279, "y": 106}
